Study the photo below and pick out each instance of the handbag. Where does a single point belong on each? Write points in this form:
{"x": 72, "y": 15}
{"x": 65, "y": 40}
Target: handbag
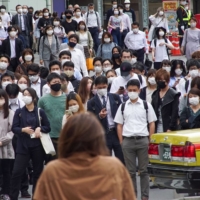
{"x": 46, "y": 140}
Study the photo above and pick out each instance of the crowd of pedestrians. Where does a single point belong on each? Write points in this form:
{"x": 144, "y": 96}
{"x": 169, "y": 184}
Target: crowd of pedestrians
{"x": 130, "y": 100}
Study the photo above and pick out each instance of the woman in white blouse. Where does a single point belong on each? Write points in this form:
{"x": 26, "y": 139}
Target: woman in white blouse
{"x": 157, "y": 20}
{"x": 59, "y": 31}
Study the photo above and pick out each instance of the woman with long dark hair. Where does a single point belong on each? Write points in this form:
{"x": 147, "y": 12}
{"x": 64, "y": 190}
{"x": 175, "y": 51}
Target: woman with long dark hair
{"x": 116, "y": 57}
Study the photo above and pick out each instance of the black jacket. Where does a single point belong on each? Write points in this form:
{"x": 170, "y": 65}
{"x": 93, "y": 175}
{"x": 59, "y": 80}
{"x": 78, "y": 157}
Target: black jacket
{"x": 109, "y": 14}
{"x": 75, "y": 83}
{"x": 169, "y": 108}
{"x": 18, "y": 47}
{"x": 43, "y": 82}
{"x": 143, "y": 93}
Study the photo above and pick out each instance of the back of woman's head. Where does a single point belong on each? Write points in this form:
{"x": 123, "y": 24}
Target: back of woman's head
{"x": 82, "y": 133}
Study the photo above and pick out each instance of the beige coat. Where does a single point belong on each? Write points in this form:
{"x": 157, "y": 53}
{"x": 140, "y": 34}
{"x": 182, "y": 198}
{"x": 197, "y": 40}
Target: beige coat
{"x": 82, "y": 177}
{"x": 6, "y": 135}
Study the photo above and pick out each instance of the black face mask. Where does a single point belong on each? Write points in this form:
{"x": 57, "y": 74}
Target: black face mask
{"x": 56, "y": 87}
{"x": 161, "y": 84}
{"x": 68, "y": 17}
{"x": 72, "y": 44}
{"x": 116, "y": 55}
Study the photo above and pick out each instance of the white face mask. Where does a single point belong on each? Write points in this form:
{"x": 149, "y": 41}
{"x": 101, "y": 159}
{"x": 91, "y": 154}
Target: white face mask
{"x": 63, "y": 16}
{"x": 4, "y": 84}
{"x": 40, "y": 16}
{"x": 161, "y": 13}
{"x": 78, "y": 14}
{"x": 56, "y": 71}
{"x": 152, "y": 80}
{"x": 46, "y": 14}
{"x": 63, "y": 61}
{"x": 183, "y": 3}
{"x": 74, "y": 108}
{"x": 168, "y": 69}
{"x": 178, "y": 71}
{"x": 127, "y": 5}
{"x": 13, "y": 33}
{"x": 2, "y": 102}
{"x": 13, "y": 101}
{"x": 105, "y": 69}
{"x": 193, "y": 24}
{"x": 34, "y": 78}
{"x": 19, "y": 10}
{"x": 56, "y": 23}
{"x": 121, "y": 11}
{"x": 186, "y": 7}
{"x": 194, "y": 73}
{"x": 133, "y": 95}
{"x": 194, "y": 101}
{"x": 98, "y": 69}
{"x": 133, "y": 61}
{"x": 102, "y": 92}
{"x": 110, "y": 80}
{"x": 135, "y": 30}
{"x": 24, "y": 10}
{"x": 82, "y": 27}
{"x": 50, "y": 32}
{"x": 116, "y": 12}
{"x": 106, "y": 40}
{"x": 23, "y": 86}
{"x": 3, "y": 65}
{"x": 27, "y": 100}
{"x": 3, "y": 10}
{"x": 28, "y": 57}
{"x": 161, "y": 33}
{"x": 114, "y": 6}
{"x": 91, "y": 10}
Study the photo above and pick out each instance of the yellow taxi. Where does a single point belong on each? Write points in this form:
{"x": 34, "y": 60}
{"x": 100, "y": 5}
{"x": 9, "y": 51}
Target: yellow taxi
{"x": 175, "y": 160}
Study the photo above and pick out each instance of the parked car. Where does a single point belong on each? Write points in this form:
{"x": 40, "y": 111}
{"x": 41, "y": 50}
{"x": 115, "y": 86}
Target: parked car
{"x": 175, "y": 160}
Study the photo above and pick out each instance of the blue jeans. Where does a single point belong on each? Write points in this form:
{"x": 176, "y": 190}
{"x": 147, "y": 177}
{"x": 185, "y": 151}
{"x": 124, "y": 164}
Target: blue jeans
{"x": 116, "y": 36}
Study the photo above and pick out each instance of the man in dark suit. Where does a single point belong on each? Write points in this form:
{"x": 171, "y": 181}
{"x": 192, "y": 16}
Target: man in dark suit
{"x": 22, "y": 21}
{"x": 13, "y": 47}
{"x": 110, "y": 11}
{"x": 105, "y": 105}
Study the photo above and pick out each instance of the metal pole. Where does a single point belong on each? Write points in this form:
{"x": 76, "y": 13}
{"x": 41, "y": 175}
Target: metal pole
{"x": 144, "y": 13}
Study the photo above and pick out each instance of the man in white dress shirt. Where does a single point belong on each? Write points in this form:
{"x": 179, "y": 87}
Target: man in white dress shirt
{"x": 136, "y": 40}
{"x": 5, "y": 17}
{"x": 132, "y": 119}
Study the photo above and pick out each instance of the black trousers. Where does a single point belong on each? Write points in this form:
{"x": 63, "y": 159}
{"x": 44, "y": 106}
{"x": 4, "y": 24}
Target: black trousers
{"x": 95, "y": 36}
{"x": 48, "y": 157}
{"x": 14, "y": 62}
{"x": 5, "y": 165}
{"x": 37, "y": 155}
{"x": 123, "y": 35}
{"x": 140, "y": 55}
{"x": 112, "y": 141}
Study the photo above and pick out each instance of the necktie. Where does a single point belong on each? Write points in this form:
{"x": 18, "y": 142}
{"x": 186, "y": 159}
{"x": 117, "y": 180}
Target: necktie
{"x": 20, "y": 21}
{"x": 104, "y": 101}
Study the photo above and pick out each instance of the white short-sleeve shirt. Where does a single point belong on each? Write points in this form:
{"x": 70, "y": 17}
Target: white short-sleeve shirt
{"x": 134, "y": 118}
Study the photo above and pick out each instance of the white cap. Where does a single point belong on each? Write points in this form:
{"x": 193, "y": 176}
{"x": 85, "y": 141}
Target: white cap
{"x": 127, "y": 1}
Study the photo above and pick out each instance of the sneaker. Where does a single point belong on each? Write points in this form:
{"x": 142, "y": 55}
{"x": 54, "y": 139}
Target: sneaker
{"x": 25, "y": 194}
{"x": 5, "y": 197}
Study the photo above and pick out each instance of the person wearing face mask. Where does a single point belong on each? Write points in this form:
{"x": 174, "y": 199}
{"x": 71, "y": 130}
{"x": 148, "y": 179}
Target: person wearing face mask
{"x": 193, "y": 67}
{"x": 13, "y": 47}
{"x": 110, "y": 75}
{"x": 133, "y": 119}
{"x": 165, "y": 101}
{"x": 36, "y": 82}
{"x": 54, "y": 113}
{"x": 178, "y": 71}
{"x": 68, "y": 69}
{"x": 6, "y": 149}
{"x": 93, "y": 22}
{"x": 160, "y": 46}
{"x": 166, "y": 65}
{"x": 26, "y": 123}
{"x": 62, "y": 16}
{"x": 191, "y": 39}
{"x": 59, "y": 31}
{"x": 3, "y": 33}
{"x": 110, "y": 11}
{"x": 5, "y": 17}
{"x": 85, "y": 39}
{"x": 49, "y": 46}
{"x": 69, "y": 24}
{"x": 129, "y": 11}
{"x": 78, "y": 16}
{"x": 106, "y": 46}
{"x": 116, "y": 57}
{"x": 115, "y": 26}
{"x": 28, "y": 58}
{"x": 23, "y": 82}
{"x": 157, "y": 20}
{"x": 136, "y": 40}
{"x": 104, "y": 106}
{"x": 4, "y": 65}
{"x": 190, "y": 116}
{"x": 73, "y": 105}
{"x": 7, "y": 78}
{"x": 107, "y": 65}
{"x": 97, "y": 63}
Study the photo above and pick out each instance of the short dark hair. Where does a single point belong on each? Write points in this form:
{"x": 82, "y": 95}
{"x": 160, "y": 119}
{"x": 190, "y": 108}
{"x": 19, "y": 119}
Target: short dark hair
{"x": 44, "y": 72}
{"x": 133, "y": 82}
{"x": 9, "y": 75}
{"x": 27, "y": 51}
{"x": 113, "y": 1}
{"x": 196, "y": 82}
{"x": 107, "y": 59}
{"x": 68, "y": 12}
{"x": 126, "y": 51}
{"x": 10, "y": 28}
{"x": 139, "y": 66}
{"x": 12, "y": 89}
{"x": 5, "y": 106}
{"x": 17, "y": 6}
{"x": 74, "y": 36}
{"x": 33, "y": 67}
{"x": 120, "y": 6}
{"x": 68, "y": 64}
{"x": 90, "y": 4}
{"x": 45, "y": 10}
{"x": 30, "y": 7}
{"x": 135, "y": 24}
{"x": 5, "y": 56}
{"x": 194, "y": 91}
{"x": 97, "y": 59}
{"x": 134, "y": 53}
{"x": 3, "y": 7}
{"x": 101, "y": 80}
{"x": 111, "y": 70}
{"x": 192, "y": 62}
{"x": 54, "y": 62}
{"x": 53, "y": 76}
{"x": 62, "y": 53}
